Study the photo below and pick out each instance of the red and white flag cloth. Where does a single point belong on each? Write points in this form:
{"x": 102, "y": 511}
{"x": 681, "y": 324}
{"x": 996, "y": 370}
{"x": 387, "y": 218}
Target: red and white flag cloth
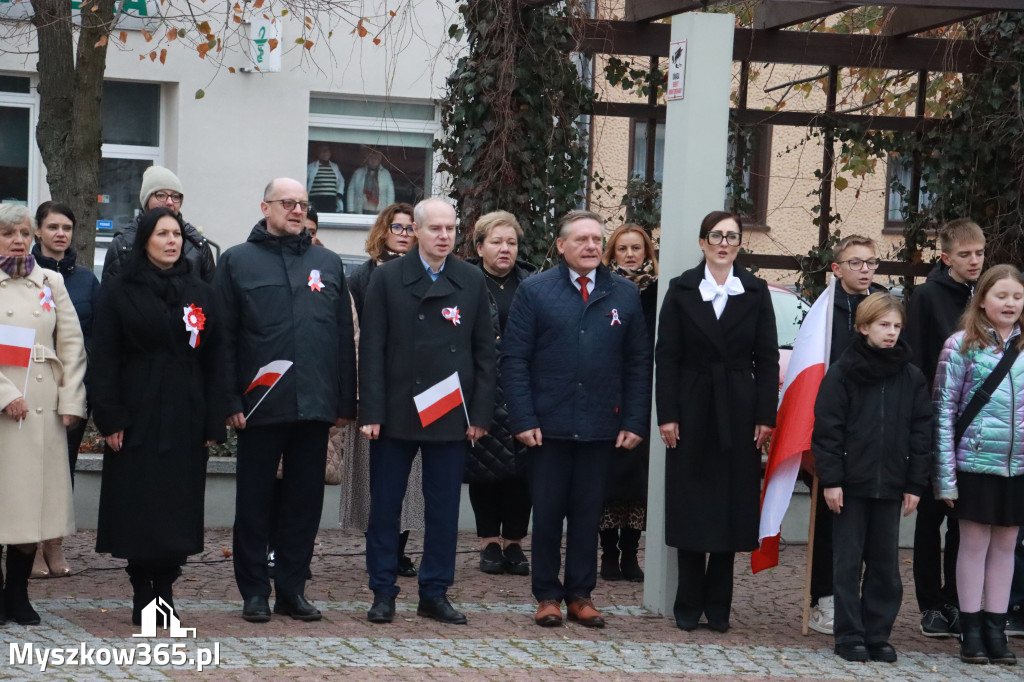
{"x": 439, "y": 399}
{"x": 795, "y": 423}
{"x": 16, "y": 345}
{"x": 269, "y": 374}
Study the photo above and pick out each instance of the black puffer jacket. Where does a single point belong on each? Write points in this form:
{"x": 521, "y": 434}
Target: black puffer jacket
{"x": 933, "y": 314}
{"x": 873, "y": 423}
{"x": 498, "y": 455}
{"x": 197, "y": 251}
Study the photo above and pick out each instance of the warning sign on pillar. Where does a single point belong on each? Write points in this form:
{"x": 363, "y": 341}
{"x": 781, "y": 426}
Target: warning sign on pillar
{"x": 676, "y": 69}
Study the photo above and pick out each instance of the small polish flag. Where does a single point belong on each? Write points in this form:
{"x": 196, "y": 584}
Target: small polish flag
{"x": 16, "y": 345}
{"x": 439, "y": 399}
{"x": 269, "y": 374}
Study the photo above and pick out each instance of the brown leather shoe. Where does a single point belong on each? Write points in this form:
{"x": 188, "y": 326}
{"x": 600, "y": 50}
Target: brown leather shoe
{"x": 549, "y": 614}
{"x": 583, "y": 611}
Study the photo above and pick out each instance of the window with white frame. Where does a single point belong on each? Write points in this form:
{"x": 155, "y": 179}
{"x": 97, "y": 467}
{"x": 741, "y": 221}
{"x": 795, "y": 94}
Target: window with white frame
{"x": 17, "y": 150}
{"x": 899, "y": 172}
{"x": 363, "y": 155}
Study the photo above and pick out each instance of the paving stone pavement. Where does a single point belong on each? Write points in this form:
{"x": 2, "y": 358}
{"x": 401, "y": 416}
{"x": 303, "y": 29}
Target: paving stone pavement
{"x": 92, "y": 609}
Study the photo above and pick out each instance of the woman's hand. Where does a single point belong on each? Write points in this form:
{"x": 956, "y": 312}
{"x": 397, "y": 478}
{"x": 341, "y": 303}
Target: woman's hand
{"x": 761, "y": 433}
{"x": 115, "y": 440}
{"x": 16, "y": 409}
{"x": 910, "y": 503}
{"x": 834, "y": 499}
{"x": 69, "y": 420}
{"x": 949, "y": 503}
{"x": 669, "y": 434}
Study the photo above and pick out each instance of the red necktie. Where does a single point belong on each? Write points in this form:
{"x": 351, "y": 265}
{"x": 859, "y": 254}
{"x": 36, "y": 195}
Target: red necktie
{"x": 583, "y": 287}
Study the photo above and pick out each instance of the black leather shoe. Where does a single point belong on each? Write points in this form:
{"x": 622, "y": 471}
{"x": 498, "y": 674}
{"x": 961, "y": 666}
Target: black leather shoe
{"x": 256, "y": 610}
{"x": 852, "y": 651}
{"x": 882, "y": 651}
{"x": 516, "y": 562}
{"x": 383, "y": 609}
{"x": 296, "y": 606}
{"x": 440, "y": 609}
{"x": 491, "y": 559}
{"x": 718, "y": 625}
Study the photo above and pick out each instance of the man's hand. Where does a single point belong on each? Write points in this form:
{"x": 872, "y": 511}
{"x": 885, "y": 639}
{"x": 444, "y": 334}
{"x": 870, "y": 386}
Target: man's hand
{"x": 910, "y": 503}
{"x": 16, "y": 409}
{"x": 237, "y": 421}
{"x": 531, "y": 438}
{"x": 949, "y": 503}
{"x": 115, "y": 441}
{"x": 670, "y": 434}
{"x": 371, "y": 431}
{"x": 475, "y": 433}
{"x": 834, "y": 499}
{"x": 761, "y": 433}
{"x": 342, "y": 422}
{"x": 627, "y": 440}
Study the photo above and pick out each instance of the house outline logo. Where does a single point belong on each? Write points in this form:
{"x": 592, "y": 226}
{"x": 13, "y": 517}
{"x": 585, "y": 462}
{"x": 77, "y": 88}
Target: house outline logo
{"x": 158, "y": 611}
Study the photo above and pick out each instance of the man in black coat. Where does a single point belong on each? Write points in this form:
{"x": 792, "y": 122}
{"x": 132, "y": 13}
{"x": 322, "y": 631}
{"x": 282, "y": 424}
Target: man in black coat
{"x": 283, "y": 299}
{"x": 933, "y": 314}
{"x": 426, "y": 318}
{"x": 576, "y": 370}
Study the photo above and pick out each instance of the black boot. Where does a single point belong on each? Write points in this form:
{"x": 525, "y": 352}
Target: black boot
{"x": 993, "y": 634}
{"x": 19, "y": 566}
{"x": 610, "y": 554}
{"x": 629, "y": 542}
{"x": 406, "y": 568}
{"x": 163, "y": 582}
{"x": 141, "y": 578}
{"x": 972, "y": 648}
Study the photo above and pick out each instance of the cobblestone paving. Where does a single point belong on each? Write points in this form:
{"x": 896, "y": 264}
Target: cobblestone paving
{"x": 500, "y": 643}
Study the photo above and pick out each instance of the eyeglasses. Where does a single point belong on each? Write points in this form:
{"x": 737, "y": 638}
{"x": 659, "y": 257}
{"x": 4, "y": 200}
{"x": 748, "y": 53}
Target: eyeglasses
{"x": 402, "y": 229}
{"x": 164, "y": 196}
{"x": 290, "y": 204}
{"x": 730, "y": 238}
{"x": 858, "y": 264}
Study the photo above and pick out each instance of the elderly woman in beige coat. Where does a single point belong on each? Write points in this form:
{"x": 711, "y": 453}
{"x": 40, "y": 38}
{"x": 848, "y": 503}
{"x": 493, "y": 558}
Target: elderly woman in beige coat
{"x": 38, "y": 328}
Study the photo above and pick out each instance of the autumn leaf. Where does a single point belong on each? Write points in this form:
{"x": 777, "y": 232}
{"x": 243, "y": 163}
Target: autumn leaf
{"x": 147, "y": 35}
{"x": 841, "y": 183}
{"x": 376, "y": 41}
{"x": 272, "y": 43}
{"x": 204, "y": 27}
{"x": 392, "y": 13}
{"x": 308, "y": 44}
{"x": 163, "y": 56}
{"x": 361, "y": 30}
{"x": 237, "y": 19}
{"x": 182, "y": 33}
{"x": 200, "y": 93}
{"x": 101, "y": 42}
{"x": 237, "y": 8}
{"x": 123, "y": 35}
{"x": 231, "y": 69}
{"x": 309, "y": 22}
{"x": 226, "y": 552}
{"x": 284, "y": 13}
{"x": 152, "y": 56}
{"x": 202, "y": 49}
{"x": 257, "y": 4}
{"x": 172, "y": 34}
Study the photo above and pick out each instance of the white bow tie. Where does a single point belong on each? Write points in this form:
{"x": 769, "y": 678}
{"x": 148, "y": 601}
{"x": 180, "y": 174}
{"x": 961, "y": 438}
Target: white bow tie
{"x": 718, "y": 294}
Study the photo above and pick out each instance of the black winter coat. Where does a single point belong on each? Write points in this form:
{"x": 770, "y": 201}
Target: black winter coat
{"x": 406, "y": 345}
{"x": 933, "y": 314}
{"x": 873, "y": 424}
{"x": 272, "y": 313}
{"x": 197, "y": 251}
{"x": 358, "y": 281}
{"x": 578, "y": 371}
{"x": 82, "y": 286}
{"x": 843, "y": 317}
{"x": 716, "y": 378}
{"x": 165, "y": 395}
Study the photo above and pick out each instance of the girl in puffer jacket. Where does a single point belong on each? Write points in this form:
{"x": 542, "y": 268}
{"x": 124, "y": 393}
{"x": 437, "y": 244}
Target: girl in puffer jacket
{"x": 871, "y": 445}
{"x": 981, "y": 478}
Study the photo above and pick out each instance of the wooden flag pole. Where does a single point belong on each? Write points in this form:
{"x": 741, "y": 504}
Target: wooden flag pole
{"x": 810, "y": 557}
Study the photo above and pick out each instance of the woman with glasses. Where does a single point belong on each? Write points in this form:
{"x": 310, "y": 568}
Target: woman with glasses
{"x": 716, "y": 389}
{"x": 390, "y": 237}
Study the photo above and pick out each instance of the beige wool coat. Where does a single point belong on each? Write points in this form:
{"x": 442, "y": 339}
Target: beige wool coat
{"x": 35, "y": 481}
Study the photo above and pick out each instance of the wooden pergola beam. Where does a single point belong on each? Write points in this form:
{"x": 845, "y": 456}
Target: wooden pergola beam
{"x": 775, "y": 14}
{"x": 905, "y": 21}
{"x": 649, "y": 10}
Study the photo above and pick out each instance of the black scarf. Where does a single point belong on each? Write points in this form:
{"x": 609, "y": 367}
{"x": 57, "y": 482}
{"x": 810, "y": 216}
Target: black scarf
{"x": 868, "y": 365}
{"x": 168, "y": 285}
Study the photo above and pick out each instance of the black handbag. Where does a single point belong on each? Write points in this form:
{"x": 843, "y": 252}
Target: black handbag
{"x": 984, "y": 394}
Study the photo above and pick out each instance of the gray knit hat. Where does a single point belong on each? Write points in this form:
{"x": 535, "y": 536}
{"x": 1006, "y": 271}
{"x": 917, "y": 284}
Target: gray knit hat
{"x": 157, "y": 178}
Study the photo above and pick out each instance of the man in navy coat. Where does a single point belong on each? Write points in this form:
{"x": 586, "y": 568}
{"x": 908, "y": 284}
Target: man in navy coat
{"x": 576, "y": 369}
{"x": 426, "y": 316}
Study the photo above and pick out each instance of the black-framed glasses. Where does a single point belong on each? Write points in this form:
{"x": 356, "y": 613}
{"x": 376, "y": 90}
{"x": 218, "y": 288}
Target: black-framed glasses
{"x": 731, "y": 238}
{"x": 290, "y": 204}
{"x": 858, "y": 264}
{"x": 164, "y": 196}
{"x": 399, "y": 230}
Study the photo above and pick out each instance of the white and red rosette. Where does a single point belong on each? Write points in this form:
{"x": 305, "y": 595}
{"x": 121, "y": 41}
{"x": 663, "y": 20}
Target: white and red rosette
{"x": 195, "y": 321}
{"x": 452, "y": 315}
{"x": 315, "y": 284}
{"x": 46, "y": 299}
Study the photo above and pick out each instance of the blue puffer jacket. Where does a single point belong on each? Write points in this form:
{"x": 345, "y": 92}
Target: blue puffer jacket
{"x": 994, "y": 442}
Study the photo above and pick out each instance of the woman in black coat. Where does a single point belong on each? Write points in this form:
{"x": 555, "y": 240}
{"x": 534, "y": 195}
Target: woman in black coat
{"x": 156, "y": 395}
{"x": 496, "y": 466}
{"x": 716, "y": 388}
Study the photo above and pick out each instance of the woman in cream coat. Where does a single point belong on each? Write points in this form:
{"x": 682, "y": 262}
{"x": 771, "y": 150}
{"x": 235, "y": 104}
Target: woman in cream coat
{"x": 35, "y": 483}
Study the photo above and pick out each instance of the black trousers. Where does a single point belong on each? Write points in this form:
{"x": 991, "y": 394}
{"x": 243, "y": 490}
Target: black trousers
{"x": 821, "y": 561}
{"x": 567, "y": 481}
{"x": 303, "y": 445}
{"x": 866, "y": 535}
{"x": 705, "y": 587}
{"x": 502, "y": 508}
{"x": 930, "y": 562}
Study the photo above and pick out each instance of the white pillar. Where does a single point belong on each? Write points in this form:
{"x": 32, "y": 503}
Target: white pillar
{"x": 696, "y": 142}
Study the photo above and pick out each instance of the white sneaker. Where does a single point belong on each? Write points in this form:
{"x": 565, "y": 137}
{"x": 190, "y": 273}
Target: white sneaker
{"x": 822, "y": 616}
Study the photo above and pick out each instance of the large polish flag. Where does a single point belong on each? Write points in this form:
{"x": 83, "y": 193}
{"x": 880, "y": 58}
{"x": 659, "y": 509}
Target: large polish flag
{"x": 439, "y": 399}
{"x": 16, "y": 345}
{"x": 795, "y": 423}
{"x": 269, "y": 374}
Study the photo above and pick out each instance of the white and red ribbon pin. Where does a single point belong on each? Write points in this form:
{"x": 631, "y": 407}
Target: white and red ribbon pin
{"x": 46, "y": 299}
{"x": 314, "y": 281}
{"x": 615, "y": 317}
{"x": 195, "y": 321}
{"x": 452, "y": 315}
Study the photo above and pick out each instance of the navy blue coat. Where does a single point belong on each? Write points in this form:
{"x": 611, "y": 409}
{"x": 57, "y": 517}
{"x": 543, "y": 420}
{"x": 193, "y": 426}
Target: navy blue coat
{"x": 577, "y": 371}
{"x": 82, "y": 286}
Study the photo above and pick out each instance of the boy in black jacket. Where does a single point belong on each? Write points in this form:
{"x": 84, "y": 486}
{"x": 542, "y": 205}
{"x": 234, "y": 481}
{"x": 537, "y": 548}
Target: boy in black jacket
{"x": 933, "y": 315}
{"x": 871, "y": 445}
